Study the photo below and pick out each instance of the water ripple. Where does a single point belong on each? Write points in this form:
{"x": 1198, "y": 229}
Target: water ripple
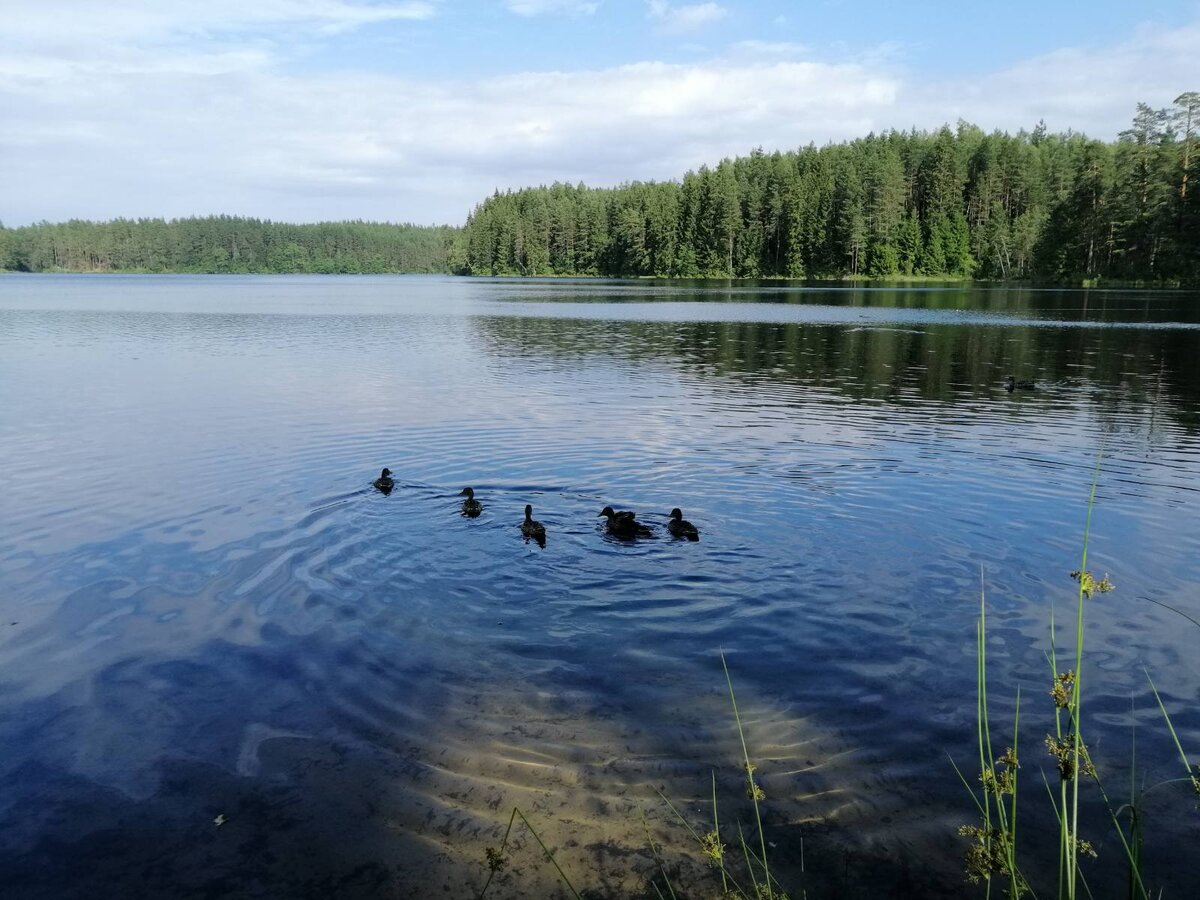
{"x": 212, "y": 611}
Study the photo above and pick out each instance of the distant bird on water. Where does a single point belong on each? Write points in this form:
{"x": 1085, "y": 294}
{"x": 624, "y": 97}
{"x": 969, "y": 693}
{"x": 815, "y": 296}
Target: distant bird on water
{"x": 532, "y": 528}
{"x": 681, "y": 527}
{"x": 470, "y": 507}
{"x": 384, "y": 483}
{"x": 1014, "y": 385}
{"x": 624, "y": 523}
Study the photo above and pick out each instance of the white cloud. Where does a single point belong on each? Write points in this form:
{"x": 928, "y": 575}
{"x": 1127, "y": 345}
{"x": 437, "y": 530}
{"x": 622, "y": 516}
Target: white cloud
{"x": 1091, "y": 90}
{"x": 774, "y": 49}
{"x": 69, "y": 22}
{"x": 159, "y": 128}
{"x": 686, "y": 17}
{"x": 543, "y": 7}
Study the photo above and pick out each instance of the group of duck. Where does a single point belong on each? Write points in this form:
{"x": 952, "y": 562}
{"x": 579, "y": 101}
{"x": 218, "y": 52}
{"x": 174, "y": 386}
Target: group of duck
{"x": 620, "y": 523}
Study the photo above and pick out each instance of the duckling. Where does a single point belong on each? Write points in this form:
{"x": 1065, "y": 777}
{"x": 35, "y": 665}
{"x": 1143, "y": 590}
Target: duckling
{"x": 470, "y": 507}
{"x": 618, "y": 514}
{"x": 531, "y": 528}
{"x": 1014, "y": 385}
{"x": 384, "y": 483}
{"x": 681, "y": 527}
{"x": 624, "y": 524}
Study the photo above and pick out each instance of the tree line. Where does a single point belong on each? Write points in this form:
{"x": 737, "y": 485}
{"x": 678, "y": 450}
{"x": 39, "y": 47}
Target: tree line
{"x": 950, "y": 203}
{"x": 215, "y": 244}
{"x": 957, "y": 203}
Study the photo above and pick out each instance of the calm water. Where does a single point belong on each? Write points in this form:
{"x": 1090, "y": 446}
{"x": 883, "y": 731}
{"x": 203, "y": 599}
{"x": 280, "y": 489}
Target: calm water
{"x": 207, "y": 611}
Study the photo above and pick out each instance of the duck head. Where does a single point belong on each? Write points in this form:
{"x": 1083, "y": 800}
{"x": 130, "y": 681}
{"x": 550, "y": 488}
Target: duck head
{"x": 677, "y": 514}
{"x": 607, "y": 511}
{"x": 386, "y": 473}
{"x": 528, "y": 512}
{"x": 469, "y": 493}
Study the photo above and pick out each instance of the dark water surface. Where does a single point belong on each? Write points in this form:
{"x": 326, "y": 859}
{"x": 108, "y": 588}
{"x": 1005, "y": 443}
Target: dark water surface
{"x": 207, "y": 612}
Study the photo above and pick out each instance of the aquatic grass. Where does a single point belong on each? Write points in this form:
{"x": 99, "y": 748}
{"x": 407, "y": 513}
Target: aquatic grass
{"x": 1132, "y": 845}
{"x": 1058, "y": 818}
{"x": 1134, "y": 842}
{"x": 662, "y": 869}
{"x": 1063, "y": 751}
{"x": 714, "y": 853}
{"x": 763, "y": 885}
{"x": 710, "y": 845}
{"x": 497, "y": 860}
{"x": 756, "y": 793}
{"x": 993, "y": 849}
{"x": 1134, "y": 809}
{"x": 1066, "y": 745}
{"x": 1192, "y": 773}
{"x": 1173, "y": 609}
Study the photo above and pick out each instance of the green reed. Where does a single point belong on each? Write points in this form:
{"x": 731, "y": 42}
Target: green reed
{"x": 763, "y": 885}
{"x": 1072, "y": 845}
{"x": 497, "y": 860}
{"x": 1191, "y": 772}
{"x": 993, "y": 850}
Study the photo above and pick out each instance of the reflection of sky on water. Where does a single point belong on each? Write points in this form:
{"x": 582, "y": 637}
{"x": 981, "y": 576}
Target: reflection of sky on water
{"x": 208, "y": 603}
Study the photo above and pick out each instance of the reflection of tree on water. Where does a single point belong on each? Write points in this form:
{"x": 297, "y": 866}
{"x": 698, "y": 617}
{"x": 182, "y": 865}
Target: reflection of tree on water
{"x": 1097, "y": 306}
{"x": 948, "y": 363}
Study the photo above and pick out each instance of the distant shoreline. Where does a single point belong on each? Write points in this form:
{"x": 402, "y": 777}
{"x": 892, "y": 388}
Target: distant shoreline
{"x": 873, "y": 281}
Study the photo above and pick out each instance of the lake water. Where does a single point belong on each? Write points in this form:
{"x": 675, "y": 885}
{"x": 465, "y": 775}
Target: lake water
{"x": 208, "y": 612}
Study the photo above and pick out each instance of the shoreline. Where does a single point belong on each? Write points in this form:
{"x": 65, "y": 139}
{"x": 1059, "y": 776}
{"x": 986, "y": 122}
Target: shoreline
{"x": 872, "y": 281}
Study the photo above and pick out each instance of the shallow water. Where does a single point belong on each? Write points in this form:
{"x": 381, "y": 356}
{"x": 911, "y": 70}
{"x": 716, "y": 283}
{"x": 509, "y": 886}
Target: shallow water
{"x": 207, "y": 611}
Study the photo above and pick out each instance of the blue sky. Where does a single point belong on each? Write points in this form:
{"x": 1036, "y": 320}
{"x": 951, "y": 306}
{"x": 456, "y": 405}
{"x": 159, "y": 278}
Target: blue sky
{"x": 934, "y": 38}
{"x": 415, "y": 109}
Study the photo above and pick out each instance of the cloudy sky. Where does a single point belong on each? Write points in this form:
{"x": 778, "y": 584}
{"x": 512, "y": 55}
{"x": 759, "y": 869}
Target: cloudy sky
{"x": 414, "y": 110}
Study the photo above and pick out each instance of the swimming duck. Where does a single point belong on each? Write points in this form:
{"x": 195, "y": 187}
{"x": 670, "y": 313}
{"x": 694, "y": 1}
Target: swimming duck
{"x": 1014, "y": 385}
{"x": 681, "y": 527}
{"x": 470, "y": 507}
{"x": 531, "y": 528}
{"x": 384, "y": 483}
{"x": 624, "y": 524}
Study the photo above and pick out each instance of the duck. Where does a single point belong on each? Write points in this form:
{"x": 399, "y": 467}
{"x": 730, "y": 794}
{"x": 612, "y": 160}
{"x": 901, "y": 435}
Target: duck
{"x": 531, "y": 528}
{"x": 470, "y": 507}
{"x": 624, "y": 523}
{"x": 384, "y": 483}
{"x": 681, "y": 527}
{"x": 1014, "y": 385}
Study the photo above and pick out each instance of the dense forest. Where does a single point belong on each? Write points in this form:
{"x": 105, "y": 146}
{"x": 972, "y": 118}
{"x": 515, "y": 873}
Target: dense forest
{"x": 952, "y": 203}
{"x": 224, "y": 244}
{"x": 955, "y": 203}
